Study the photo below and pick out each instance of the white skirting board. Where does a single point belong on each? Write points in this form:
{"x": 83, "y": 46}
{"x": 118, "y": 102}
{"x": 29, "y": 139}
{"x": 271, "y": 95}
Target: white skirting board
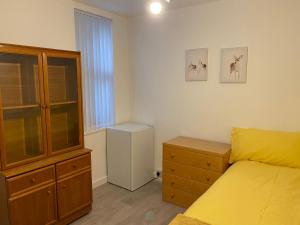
{"x": 99, "y": 182}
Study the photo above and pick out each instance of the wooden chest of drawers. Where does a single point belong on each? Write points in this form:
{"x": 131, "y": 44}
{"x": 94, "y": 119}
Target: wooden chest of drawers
{"x": 190, "y": 167}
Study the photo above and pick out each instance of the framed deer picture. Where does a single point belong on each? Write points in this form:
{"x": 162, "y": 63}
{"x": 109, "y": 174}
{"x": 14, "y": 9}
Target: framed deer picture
{"x": 234, "y": 65}
{"x": 196, "y": 68}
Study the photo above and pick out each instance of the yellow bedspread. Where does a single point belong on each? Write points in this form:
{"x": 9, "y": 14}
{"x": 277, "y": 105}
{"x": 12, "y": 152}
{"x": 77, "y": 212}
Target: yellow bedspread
{"x": 251, "y": 193}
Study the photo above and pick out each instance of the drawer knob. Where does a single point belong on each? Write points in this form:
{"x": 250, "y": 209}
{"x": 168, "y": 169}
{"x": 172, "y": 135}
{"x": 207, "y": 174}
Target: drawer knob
{"x": 208, "y": 164}
{"x": 172, "y": 170}
{"x": 74, "y": 167}
{"x": 33, "y": 180}
{"x": 172, "y": 196}
{"x": 172, "y": 156}
{"x": 172, "y": 183}
{"x": 49, "y": 192}
{"x": 207, "y": 179}
{"x": 64, "y": 186}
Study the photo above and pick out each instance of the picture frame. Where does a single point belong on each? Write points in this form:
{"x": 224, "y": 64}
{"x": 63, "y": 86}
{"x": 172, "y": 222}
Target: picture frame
{"x": 234, "y": 62}
{"x": 196, "y": 68}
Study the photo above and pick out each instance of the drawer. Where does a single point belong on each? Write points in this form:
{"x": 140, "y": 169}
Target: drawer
{"x": 190, "y": 158}
{"x": 186, "y": 185}
{"x": 177, "y": 197}
{"x": 191, "y": 173}
{"x": 30, "y": 180}
{"x": 72, "y": 166}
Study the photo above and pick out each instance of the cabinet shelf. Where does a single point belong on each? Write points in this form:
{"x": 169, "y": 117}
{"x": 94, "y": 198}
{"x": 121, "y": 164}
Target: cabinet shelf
{"x": 20, "y": 107}
{"x": 37, "y": 105}
{"x": 63, "y": 103}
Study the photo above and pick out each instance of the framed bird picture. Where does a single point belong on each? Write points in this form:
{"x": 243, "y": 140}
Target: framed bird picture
{"x": 234, "y": 65}
{"x": 196, "y": 68}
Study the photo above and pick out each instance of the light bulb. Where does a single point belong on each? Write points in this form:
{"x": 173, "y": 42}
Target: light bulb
{"x": 156, "y": 7}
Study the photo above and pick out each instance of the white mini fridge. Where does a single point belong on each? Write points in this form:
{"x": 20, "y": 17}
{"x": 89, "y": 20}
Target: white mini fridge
{"x": 130, "y": 155}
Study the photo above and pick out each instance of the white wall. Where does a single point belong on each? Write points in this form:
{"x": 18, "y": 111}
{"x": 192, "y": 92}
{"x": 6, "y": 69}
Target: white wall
{"x": 97, "y": 142}
{"x": 270, "y": 99}
{"x": 50, "y": 23}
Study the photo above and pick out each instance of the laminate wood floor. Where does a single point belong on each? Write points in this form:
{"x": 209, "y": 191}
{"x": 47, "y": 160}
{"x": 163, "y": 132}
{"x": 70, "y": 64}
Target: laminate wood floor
{"x": 116, "y": 206}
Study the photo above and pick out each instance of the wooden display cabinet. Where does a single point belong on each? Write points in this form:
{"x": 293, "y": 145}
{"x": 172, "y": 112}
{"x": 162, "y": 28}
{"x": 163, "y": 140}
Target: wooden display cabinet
{"x": 41, "y": 136}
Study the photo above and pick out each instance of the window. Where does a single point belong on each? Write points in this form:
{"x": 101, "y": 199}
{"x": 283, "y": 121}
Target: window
{"x": 94, "y": 40}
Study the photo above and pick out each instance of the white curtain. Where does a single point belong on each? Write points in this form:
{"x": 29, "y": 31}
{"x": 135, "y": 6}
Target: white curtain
{"x": 95, "y": 41}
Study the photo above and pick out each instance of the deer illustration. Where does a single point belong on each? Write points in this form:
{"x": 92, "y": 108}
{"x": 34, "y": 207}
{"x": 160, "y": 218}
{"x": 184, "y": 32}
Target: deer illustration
{"x": 196, "y": 68}
{"x": 192, "y": 67}
{"x": 235, "y": 66}
{"x": 204, "y": 66}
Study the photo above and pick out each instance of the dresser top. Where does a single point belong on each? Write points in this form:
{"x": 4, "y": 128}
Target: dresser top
{"x": 200, "y": 145}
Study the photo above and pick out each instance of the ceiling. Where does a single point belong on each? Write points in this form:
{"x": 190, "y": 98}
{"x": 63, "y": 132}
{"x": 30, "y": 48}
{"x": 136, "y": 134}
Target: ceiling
{"x": 136, "y": 7}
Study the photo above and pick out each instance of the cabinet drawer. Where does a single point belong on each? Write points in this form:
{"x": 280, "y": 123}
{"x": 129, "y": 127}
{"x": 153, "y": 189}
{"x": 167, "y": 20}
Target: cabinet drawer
{"x": 30, "y": 180}
{"x": 73, "y": 165}
{"x": 186, "y": 185}
{"x": 190, "y": 158}
{"x": 189, "y": 172}
{"x": 181, "y": 198}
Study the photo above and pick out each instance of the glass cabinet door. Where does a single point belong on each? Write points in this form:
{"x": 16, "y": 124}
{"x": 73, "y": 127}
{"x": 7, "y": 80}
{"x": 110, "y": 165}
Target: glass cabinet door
{"x": 21, "y": 111}
{"x": 62, "y": 97}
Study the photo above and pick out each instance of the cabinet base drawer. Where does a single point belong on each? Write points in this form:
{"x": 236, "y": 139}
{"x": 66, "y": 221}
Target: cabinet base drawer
{"x": 178, "y": 197}
{"x": 30, "y": 180}
{"x": 73, "y": 166}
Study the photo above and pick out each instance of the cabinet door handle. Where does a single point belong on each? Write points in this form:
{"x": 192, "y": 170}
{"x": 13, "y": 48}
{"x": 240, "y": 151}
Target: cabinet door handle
{"x": 49, "y": 192}
{"x": 33, "y": 180}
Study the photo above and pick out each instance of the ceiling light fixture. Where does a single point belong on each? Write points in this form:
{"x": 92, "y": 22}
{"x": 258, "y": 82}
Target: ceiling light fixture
{"x": 157, "y": 6}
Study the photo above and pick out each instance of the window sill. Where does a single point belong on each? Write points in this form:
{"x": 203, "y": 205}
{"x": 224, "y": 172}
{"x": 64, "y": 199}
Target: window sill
{"x": 95, "y": 131}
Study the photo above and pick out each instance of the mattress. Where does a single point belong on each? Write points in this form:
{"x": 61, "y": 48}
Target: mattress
{"x": 251, "y": 193}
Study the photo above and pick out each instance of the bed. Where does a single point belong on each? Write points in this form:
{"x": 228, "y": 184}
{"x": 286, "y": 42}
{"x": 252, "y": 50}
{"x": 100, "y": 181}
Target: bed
{"x": 252, "y": 192}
